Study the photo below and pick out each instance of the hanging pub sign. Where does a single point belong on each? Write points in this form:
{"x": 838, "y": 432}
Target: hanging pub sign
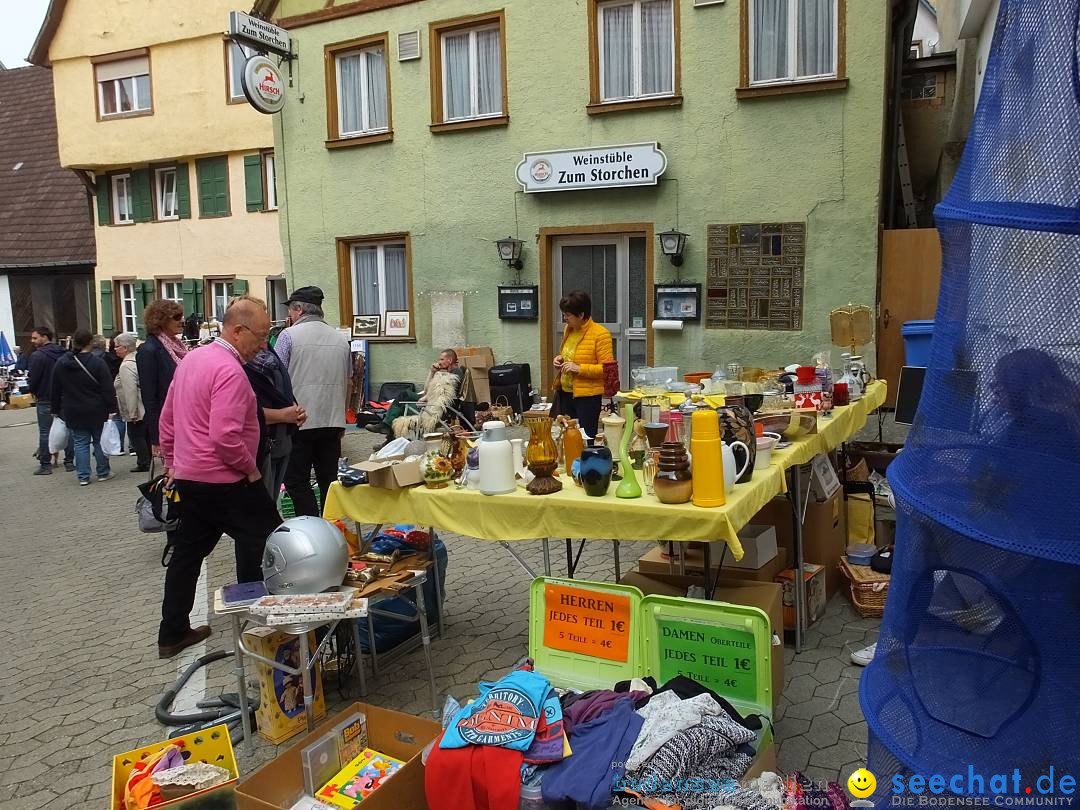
{"x": 635, "y": 164}
{"x": 259, "y": 34}
{"x": 263, "y": 85}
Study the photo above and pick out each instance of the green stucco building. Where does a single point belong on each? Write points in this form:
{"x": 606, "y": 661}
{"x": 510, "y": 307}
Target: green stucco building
{"x": 406, "y": 123}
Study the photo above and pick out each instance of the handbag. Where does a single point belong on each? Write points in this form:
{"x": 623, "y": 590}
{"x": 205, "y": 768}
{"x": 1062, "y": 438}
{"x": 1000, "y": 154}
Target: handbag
{"x": 503, "y": 412}
{"x": 612, "y": 382}
{"x": 157, "y": 507}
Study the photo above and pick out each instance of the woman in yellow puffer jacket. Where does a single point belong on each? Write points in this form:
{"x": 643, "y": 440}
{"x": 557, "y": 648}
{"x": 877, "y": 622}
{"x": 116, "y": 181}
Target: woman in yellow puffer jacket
{"x": 580, "y": 362}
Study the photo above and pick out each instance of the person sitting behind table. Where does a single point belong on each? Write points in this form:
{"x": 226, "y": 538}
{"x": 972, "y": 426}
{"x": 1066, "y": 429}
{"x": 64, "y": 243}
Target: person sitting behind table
{"x": 448, "y": 361}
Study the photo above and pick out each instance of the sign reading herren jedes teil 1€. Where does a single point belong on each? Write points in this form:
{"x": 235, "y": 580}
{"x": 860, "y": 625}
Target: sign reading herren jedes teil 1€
{"x": 636, "y": 164}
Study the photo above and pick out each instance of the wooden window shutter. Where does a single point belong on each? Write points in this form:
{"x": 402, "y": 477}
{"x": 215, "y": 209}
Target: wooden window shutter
{"x": 144, "y": 294}
{"x": 187, "y": 290}
{"x": 183, "y": 191}
{"x": 238, "y": 286}
{"x": 203, "y": 181}
{"x": 221, "y": 185}
{"x": 107, "y": 325}
{"x": 141, "y": 195}
{"x": 199, "y": 297}
{"x": 253, "y": 182}
{"x": 104, "y": 214}
{"x": 212, "y": 175}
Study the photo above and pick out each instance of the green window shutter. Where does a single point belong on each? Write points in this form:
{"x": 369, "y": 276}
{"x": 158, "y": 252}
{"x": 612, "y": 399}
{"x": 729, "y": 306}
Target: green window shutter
{"x": 238, "y": 287}
{"x": 144, "y": 294}
{"x": 199, "y": 298}
{"x": 104, "y": 215}
{"x": 107, "y": 326}
{"x": 141, "y": 196}
{"x": 187, "y": 290}
{"x": 213, "y": 178}
{"x": 253, "y": 182}
{"x": 183, "y": 191}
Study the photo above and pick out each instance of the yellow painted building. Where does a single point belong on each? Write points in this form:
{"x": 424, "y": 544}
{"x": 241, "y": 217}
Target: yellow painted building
{"x": 149, "y": 108}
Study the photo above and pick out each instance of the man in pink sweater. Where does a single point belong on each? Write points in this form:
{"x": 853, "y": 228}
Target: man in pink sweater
{"x": 209, "y": 431}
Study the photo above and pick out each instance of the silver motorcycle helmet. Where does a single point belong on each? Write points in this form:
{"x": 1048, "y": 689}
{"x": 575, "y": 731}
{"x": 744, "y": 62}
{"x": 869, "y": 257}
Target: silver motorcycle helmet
{"x": 304, "y": 555}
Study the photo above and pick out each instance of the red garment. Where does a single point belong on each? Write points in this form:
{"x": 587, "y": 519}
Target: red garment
{"x": 477, "y": 777}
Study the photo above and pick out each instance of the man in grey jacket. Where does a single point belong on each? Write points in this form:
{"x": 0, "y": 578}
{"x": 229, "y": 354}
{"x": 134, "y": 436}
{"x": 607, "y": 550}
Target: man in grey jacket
{"x": 320, "y": 365}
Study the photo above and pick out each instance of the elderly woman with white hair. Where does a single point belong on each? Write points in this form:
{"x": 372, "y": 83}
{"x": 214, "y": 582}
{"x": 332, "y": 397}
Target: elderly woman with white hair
{"x": 129, "y": 400}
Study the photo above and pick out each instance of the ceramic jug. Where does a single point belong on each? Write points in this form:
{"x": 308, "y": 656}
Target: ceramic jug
{"x": 737, "y": 425}
{"x": 496, "y": 461}
{"x": 731, "y": 469}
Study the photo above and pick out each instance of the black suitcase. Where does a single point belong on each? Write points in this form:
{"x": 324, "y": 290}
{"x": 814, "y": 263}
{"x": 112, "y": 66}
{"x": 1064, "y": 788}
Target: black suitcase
{"x": 509, "y": 374}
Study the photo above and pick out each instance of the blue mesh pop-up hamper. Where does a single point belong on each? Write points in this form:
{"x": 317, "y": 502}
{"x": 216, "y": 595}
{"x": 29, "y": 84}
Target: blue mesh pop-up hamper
{"x": 977, "y": 669}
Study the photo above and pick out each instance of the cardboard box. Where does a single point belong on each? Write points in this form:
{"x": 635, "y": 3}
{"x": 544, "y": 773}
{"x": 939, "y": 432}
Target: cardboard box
{"x": 280, "y": 782}
{"x": 764, "y": 595}
{"x": 281, "y": 712}
{"x": 654, "y": 562}
{"x": 825, "y": 539}
{"x": 759, "y": 547}
{"x": 16, "y": 401}
{"x": 814, "y": 602}
{"x": 392, "y": 473}
{"x": 476, "y": 387}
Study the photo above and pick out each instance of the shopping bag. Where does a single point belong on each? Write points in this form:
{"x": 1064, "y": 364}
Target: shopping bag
{"x": 110, "y": 439}
{"x": 502, "y": 410}
{"x": 58, "y": 435}
{"x": 611, "y": 378}
{"x": 156, "y": 506}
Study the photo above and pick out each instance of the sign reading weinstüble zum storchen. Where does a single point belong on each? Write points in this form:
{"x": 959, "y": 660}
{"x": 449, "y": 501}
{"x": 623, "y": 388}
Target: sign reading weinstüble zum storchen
{"x": 636, "y": 164}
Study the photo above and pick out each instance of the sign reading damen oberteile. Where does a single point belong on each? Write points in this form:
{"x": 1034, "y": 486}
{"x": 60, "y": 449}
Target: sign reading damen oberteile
{"x": 636, "y": 164}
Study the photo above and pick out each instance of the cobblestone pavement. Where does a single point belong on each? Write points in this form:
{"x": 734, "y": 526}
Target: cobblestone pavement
{"x": 80, "y": 590}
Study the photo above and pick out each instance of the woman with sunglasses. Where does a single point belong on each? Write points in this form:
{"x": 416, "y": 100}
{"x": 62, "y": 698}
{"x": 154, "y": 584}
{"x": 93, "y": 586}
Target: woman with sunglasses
{"x": 157, "y": 360}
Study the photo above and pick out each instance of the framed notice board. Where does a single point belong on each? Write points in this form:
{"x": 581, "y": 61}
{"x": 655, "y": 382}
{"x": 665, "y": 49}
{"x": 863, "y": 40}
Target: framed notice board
{"x": 519, "y": 303}
{"x": 678, "y": 302}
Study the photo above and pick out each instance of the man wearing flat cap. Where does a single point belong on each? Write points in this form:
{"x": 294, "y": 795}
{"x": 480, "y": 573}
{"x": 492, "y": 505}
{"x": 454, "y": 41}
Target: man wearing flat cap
{"x": 320, "y": 365}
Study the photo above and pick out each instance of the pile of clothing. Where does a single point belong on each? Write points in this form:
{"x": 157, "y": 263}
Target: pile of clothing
{"x": 676, "y": 745}
{"x": 165, "y": 777}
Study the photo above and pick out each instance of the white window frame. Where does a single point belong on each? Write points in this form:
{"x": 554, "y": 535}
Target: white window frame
{"x": 126, "y": 294}
{"x": 636, "y": 78}
{"x": 223, "y": 286}
{"x": 270, "y": 180}
{"x": 115, "y": 182}
{"x": 235, "y": 72}
{"x": 161, "y": 196}
{"x": 474, "y": 73}
{"x": 381, "y": 265}
{"x": 792, "y": 47}
{"x": 174, "y": 286}
{"x": 365, "y": 123}
{"x": 137, "y": 101}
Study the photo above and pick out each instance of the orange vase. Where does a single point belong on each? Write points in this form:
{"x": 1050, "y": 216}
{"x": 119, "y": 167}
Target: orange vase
{"x": 572, "y": 445}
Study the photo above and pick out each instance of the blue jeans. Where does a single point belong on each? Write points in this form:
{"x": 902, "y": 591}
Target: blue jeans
{"x": 83, "y": 438}
{"x": 45, "y": 420}
{"x": 121, "y": 426}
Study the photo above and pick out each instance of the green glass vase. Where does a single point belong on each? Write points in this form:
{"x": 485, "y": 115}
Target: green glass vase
{"x": 629, "y": 486}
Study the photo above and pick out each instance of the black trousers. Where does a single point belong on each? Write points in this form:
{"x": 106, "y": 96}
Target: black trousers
{"x": 242, "y": 510}
{"x": 137, "y": 442}
{"x": 585, "y": 409}
{"x": 318, "y": 449}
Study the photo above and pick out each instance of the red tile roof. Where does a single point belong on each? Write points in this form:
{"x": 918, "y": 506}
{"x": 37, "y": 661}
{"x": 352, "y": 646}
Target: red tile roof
{"x": 44, "y": 211}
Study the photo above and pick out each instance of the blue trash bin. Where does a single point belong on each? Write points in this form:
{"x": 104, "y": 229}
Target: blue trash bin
{"x": 917, "y": 337}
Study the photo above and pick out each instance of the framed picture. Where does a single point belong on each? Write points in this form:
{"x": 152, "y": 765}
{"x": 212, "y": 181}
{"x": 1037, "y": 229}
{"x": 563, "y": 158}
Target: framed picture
{"x": 366, "y": 325}
{"x": 519, "y": 303}
{"x": 397, "y": 323}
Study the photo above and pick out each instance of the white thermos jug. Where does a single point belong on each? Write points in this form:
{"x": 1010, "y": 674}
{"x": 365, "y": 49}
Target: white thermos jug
{"x": 496, "y": 461}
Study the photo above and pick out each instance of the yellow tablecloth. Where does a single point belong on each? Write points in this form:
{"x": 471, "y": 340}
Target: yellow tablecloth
{"x": 572, "y": 513}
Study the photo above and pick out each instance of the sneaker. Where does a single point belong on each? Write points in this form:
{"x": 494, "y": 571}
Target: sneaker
{"x": 131, "y": 452}
{"x": 864, "y": 656}
{"x": 85, "y": 483}
{"x": 43, "y": 471}
{"x": 107, "y": 477}
{"x": 69, "y": 466}
{"x": 193, "y": 636}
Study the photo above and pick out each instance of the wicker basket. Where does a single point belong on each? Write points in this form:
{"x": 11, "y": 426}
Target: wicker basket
{"x": 869, "y": 589}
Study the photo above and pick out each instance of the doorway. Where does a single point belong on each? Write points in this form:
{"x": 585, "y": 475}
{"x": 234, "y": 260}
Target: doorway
{"x": 615, "y": 269}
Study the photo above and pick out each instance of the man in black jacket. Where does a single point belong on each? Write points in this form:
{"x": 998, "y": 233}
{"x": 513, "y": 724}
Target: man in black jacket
{"x": 40, "y": 366}
{"x": 83, "y": 394}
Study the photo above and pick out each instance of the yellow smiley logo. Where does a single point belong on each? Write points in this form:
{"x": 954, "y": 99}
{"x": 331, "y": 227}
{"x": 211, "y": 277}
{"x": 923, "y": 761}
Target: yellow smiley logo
{"x": 861, "y": 783}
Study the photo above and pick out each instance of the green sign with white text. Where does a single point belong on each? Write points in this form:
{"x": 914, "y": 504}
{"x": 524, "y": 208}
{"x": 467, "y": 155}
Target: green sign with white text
{"x": 724, "y": 659}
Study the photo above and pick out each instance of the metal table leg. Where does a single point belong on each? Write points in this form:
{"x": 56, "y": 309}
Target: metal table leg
{"x": 371, "y": 644}
{"x": 618, "y": 566}
{"x": 359, "y": 656}
{"x": 425, "y": 637}
{"x": 706, "y": 559}
{"x": 305, "y": 675}
{"x": 798, "y": 505}
{"x": 569, "y": 558}
{"x": 547, "y": 557}
{"x": 241, "y": 683}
